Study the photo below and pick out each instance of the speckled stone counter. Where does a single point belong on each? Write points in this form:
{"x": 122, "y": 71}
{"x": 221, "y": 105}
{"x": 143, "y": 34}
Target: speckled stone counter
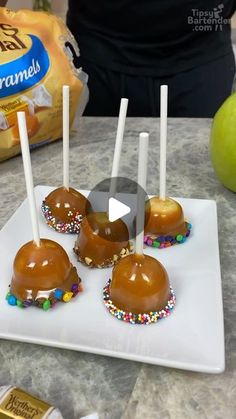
{"x": 80, "y": 383}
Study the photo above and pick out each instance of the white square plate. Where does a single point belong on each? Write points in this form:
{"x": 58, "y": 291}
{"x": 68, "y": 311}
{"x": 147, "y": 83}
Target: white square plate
{"x": 192, "y": 338}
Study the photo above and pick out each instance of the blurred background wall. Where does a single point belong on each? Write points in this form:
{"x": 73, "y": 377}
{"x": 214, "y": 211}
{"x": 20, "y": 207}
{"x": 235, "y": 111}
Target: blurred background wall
{"x": 58, "y": 6}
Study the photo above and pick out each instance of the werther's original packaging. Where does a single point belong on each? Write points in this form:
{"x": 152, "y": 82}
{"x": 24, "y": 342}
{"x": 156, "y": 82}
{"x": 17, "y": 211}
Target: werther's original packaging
{"x": 16, "y": 403}
{"x": 37, "y": 56}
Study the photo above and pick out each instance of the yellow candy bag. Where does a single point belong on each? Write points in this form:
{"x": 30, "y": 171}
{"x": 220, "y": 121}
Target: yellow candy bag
{"x": 37, "y": 57}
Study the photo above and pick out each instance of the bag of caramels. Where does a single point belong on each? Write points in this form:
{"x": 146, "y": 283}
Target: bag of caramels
{"x": 38, "y": 55}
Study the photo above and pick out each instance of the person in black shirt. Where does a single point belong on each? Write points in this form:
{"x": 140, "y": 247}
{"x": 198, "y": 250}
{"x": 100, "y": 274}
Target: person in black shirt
{"x": 130, "y": 47}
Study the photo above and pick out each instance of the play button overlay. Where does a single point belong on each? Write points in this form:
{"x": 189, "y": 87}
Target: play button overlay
{"x": 117, "y": 210}
{"x": 121, "y": 205}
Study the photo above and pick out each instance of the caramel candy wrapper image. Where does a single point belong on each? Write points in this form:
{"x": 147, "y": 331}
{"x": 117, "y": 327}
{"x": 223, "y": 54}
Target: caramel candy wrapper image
{"x": 37, "y": 55}
{"x": 16, "y": 403}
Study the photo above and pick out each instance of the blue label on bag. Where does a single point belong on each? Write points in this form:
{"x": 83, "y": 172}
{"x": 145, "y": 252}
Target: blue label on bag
{"x": 25, "y": 71}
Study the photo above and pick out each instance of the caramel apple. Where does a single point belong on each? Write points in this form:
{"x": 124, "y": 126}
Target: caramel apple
{"x": 164, "y": 223}
{"x": 139, "y": 291}
{"x": 42, "y": 275}
{"x": 100, "y": 242}
{"x": 64, "y": 209}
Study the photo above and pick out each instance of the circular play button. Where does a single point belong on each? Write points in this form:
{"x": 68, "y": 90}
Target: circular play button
{"x": 116, "y": 209}
{"x": 109, "y": 207}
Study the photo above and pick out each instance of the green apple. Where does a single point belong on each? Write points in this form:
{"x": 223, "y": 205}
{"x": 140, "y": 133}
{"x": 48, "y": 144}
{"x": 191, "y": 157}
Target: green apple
{"x": 223, "y": 143}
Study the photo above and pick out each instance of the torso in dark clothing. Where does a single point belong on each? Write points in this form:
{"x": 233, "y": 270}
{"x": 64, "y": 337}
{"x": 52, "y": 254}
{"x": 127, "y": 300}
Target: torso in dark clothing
{"x": 151, "y": 37}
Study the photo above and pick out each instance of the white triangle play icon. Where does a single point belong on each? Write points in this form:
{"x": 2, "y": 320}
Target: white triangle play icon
{"x": 117, "y": 209}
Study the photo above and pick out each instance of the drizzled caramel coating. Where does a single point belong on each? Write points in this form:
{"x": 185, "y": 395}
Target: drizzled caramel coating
{"x": 164, "y": 217}
{"x": 99, "y": 239}
{"x": 39, "y": 270}
{"x": 139, "y": 284}
{"x": 65, "y": 204}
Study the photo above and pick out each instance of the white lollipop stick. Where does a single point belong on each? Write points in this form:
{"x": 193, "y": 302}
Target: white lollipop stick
{"x": 66, "y": 131}
{"x": 28, "y": 175}
{"x": 118, "y": 146}
{"x": 142, "y": 181}
{"x": 163, "y": 138}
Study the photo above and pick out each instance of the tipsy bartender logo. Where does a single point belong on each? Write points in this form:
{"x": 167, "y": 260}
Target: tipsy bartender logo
{"x": 208, "y": 20}
{"x": 27, "y": 69}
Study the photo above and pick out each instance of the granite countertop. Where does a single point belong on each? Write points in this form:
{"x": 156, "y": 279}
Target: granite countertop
{"x": 80, "y": 383}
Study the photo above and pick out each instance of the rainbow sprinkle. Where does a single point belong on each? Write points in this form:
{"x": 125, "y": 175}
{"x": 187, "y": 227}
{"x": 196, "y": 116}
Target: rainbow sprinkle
{"x": 46, "y": 303}
{"x": 160, "y": 242}
{"x": 70, "y": 228}
{"x": 143, "y": 318}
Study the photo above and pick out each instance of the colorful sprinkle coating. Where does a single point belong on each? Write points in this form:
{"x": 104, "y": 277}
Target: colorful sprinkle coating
{"x": 19, "y": 303}
{"x": 58, "y": 294}
{"x": 67, "y": 296}
{"x": 70, "y": 228}
{"x": 143, "y": 318}
{"x": 161, "y": 242}
{"x": 12, "y": 300}
{"x": 46, "y": 303}
{"x": 75, "y": 287}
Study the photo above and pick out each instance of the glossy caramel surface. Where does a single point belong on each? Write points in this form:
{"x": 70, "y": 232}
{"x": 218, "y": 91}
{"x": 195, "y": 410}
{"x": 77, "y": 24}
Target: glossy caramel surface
{"x": 139, "y": 284}
{"x": 100, "y": 239}
{"x": 41, "y": 268}
{"x": 164, "y": 217}
{"x": 64, "y": 204}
